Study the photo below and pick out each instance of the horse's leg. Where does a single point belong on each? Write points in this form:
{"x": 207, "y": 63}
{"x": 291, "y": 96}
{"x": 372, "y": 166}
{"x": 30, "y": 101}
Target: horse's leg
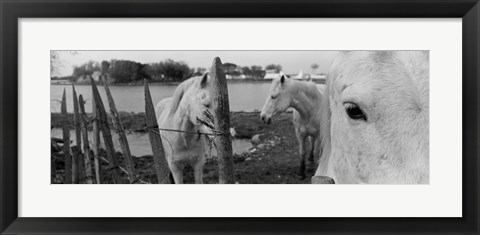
{"x": 317, "y": 150}
{"x": 177, "y": 172}
{"x": 311, "y": 150}
{"x": 198, "y": 171}
{"x": 302, "y": 151}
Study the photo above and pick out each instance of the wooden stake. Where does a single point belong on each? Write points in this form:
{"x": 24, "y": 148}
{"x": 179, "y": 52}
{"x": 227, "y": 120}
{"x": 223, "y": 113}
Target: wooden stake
{"x": 107, "y": 136}
{"x": 86, "y": 147}
{"x": 122, "y": 138}
{"x": 222, "y": 122}
{"x": 77, "y": 162}
{"x": 161, "y": 165}
{"x": 96, "y": 140}
{"x": 66, "y": 141}
{"x": 53, "y": 169}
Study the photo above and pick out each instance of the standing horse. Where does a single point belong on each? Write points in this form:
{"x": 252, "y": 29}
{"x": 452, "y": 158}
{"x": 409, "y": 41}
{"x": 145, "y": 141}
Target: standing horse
{"x": 191, "y": 99}
{"x": 376, "y": 118}
{"x": 305, "y": 99}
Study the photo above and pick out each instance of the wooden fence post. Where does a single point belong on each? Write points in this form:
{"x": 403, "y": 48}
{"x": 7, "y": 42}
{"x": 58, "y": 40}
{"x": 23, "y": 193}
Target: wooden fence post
{"x": 122, "y": 138}
{"x": 161, "y": 165}
{"x": 222, "y": 123}
{"x": 66, "y": 141}
{"x": 107, "y": 136}
{"x": 53, "y": 169}
{"x": 77, "y": 162}
{"x": 96, "y": 140}
{"x": 86, "y": 147}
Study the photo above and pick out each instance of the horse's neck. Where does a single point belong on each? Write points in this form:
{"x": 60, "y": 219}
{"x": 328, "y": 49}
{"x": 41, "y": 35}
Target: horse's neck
{"x": 181, "y": 121}
{"x": 303, "y": 99}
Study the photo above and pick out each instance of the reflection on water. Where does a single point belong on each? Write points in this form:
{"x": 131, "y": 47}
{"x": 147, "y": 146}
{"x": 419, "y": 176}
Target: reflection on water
{"x": 140, "y": 143}
{"x": 243, "y": 96}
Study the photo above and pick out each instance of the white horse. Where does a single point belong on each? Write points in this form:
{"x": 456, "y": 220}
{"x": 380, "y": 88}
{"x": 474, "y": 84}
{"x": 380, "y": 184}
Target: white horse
{"x": 190, "y": 100}
{"x": 376, "y": 118}
{"x": 305, "y": 99}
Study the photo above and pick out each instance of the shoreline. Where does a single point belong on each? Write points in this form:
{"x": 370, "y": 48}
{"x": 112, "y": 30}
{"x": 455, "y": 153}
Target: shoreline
{"x": 246, "y": 124}
{"x": 168, "y": 83}
{"x": 155, "y": 83}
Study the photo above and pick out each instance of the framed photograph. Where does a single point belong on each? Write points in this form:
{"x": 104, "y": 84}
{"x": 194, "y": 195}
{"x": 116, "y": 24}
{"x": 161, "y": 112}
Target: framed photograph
{"x": 296, "y": 117}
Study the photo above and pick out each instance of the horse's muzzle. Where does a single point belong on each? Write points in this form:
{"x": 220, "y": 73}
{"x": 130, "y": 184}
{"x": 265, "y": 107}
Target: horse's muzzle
{"x": 267, "y": 120}
{"x": 318, "y": 179}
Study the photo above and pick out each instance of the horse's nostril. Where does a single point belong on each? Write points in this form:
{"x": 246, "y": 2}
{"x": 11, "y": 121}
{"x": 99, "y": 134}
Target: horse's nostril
{"x": 263, "y": 118}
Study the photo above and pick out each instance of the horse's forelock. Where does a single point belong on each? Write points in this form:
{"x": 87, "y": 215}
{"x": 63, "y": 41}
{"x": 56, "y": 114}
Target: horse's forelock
{"x": 275, "y": 84}
{"x": 380, "y": 57}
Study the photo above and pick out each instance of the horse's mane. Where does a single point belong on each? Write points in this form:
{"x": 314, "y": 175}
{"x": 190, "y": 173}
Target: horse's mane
{"x": 179, "y": 92}
{"x": 309, "y": 88}
{"x": 325, "y": 122}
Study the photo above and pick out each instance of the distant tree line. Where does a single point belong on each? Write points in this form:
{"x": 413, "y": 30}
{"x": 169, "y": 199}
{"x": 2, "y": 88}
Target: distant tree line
{"x": 274, "y": 67}
{"x": 254, "y": 71}
{"x": 126, "y": 71}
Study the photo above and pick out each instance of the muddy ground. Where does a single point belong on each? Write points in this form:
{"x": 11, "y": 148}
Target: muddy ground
{"x": 274, "y": 158}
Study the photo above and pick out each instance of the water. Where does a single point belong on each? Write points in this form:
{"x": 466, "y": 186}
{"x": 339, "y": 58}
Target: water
{"x": 243, "y": 96}
{"x": 140, "y": 143}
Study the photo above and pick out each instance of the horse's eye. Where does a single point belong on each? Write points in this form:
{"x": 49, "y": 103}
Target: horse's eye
{"x": 207, "y": 106}
{"x": 273, "y": 97}
{"x": 354, "y": 112}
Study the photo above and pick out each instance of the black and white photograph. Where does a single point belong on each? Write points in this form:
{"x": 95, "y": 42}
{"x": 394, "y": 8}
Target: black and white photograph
{"x": 239, "y": 117}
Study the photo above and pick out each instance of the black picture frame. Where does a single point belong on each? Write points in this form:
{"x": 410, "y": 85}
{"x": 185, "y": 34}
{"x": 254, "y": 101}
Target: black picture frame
{"x": 11, "y": 11}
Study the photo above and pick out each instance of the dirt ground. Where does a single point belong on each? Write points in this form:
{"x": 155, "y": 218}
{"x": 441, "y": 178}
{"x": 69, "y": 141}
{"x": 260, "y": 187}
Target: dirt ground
{"x": 273, "y": 159}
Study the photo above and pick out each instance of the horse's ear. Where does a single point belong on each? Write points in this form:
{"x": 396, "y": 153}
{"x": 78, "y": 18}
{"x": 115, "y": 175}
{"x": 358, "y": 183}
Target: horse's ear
{"x": 204, "y": 81}
{"x": 282, "y": 79}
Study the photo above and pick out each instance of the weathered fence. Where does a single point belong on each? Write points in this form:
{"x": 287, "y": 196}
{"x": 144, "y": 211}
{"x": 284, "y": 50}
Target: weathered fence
{"x": 107, "y": 136}
{"x": 122, "y": 138}
{"x": 222, "y": 123}
{"x": 66, "y": 141}
{"x": 96, "y": 141}
{"x": 161, "y": 166}
{"x": 86, "y": 147}
{"x": 77, "y": 163}
{"x": 80, "y": 169}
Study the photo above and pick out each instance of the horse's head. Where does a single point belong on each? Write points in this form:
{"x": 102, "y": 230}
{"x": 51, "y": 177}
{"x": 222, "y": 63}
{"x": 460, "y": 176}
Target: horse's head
{"x": 379, "y": 103}
{"x": 278, "y": 99}
{"x": 193, "y": 100}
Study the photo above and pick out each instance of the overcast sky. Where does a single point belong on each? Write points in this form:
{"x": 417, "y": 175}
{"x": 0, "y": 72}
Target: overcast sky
{"x": 291, "y": 61}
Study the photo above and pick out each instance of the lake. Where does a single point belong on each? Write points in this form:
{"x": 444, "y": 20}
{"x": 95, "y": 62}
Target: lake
{"x": 243, "y": 96}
